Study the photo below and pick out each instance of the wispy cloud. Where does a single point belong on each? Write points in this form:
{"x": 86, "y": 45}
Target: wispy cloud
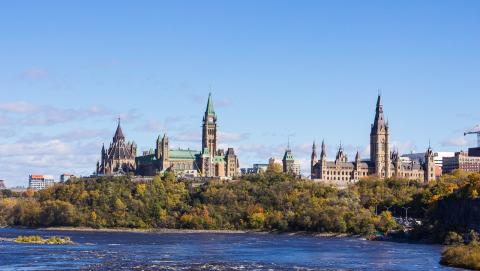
{"x": 459, "y": 141}
{"x": 34, "y": 73}
{"x": 27, "y": 113}
{"x": 19, "y": 107}
{"x": 232, "y": 136}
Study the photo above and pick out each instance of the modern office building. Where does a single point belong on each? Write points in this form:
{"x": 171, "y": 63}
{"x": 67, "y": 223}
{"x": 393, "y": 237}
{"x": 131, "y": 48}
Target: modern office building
{"x": 38, "y": 182}
{"x": 461, "y": 161}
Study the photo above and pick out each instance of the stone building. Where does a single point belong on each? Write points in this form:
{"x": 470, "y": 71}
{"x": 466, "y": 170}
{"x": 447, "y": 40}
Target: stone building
{"x": 382, "y": 162}
{"x": 209, "y": 162}
{"x": 119, "y": 158}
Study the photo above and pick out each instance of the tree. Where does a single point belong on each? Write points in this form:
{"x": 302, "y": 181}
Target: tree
{"x": 386, "y": 222}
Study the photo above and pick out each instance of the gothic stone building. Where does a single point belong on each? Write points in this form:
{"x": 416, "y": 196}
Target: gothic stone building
{"x": 120, "y": 156}
{"x": 209, "y": 162}
{"x": 382, "y": 163}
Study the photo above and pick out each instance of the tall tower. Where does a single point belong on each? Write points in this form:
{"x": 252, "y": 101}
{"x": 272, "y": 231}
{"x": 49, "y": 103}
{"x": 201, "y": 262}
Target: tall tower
{"x": 429, "y": 166}
{"x": 209, "y": 131}
{"x": 165, "y": 152}
{"x": 379, "y": 143}
{"x": 313, "y": 160}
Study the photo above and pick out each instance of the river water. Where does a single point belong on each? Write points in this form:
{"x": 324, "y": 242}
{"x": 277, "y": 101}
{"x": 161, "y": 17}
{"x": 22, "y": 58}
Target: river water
{"x": 206, "y": 251}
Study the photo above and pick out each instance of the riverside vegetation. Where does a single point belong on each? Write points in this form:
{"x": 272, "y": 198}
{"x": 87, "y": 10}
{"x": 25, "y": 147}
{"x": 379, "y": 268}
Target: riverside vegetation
{"x": 270, "y": 201}
{"x": 35, "y": 239}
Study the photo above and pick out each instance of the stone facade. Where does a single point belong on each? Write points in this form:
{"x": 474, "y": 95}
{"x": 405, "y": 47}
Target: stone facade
{"x": 382, "y": 163}
{"x": 120, "y": 156}
{"x": 210, "y": 162}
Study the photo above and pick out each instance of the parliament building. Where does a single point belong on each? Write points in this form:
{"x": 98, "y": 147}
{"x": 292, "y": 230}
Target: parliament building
{"x": 121, "y": 157}
{"x": 382, "y": 163}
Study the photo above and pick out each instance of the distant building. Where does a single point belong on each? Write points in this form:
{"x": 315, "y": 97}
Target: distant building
{"x": 18, "y": 189}
{"x": 38, "y": 182}
{"x": 2, "y": 184}
{"x": 461, "y": 161}
{"x": 209, "y": 162}
{"x": 475, "y": 152}
{"x": 289, "y": 164}
{"x": 260, "y": 168}
{"x": 257, "y": 168}
{"x": 65, "y": 177}
{"x": 119, "y": 158}
{"x": 382, "y": 164}
{"x": 437, "y": 158}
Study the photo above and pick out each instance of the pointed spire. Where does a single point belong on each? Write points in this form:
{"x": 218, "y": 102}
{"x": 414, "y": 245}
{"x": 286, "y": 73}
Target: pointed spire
{"x": 323, "y": 154}
{"x": 379, "y": 121}
{"x": 357, "y": 156}
{"x": 118, "y": 132}
{"x": 314, "y": 150}
{"x": 210, "y": 110}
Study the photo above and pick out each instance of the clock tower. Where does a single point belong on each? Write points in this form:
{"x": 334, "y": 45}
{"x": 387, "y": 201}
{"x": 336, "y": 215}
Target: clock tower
{"x": 209, "y": 131}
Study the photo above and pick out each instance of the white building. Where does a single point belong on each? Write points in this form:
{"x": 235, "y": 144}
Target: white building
{"x": 38, "y": 182}
{"x": 65, "y": 177}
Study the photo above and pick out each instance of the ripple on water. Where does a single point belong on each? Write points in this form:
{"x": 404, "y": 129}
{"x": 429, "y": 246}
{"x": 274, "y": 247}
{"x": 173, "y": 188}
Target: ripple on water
{"x": 152, "y": 252}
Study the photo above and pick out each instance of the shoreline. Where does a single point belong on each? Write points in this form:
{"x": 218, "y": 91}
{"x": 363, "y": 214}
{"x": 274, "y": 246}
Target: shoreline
{"x": 190, "y": 231}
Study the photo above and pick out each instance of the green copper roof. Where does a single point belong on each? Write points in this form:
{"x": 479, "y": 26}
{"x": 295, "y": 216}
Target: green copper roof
{"x": 210, "y": 110}
{"x": 183, "y": 154}
{"x": 218, "y": 159}
{"x": 146, "y": 158}
{"x": 288, "y": 156}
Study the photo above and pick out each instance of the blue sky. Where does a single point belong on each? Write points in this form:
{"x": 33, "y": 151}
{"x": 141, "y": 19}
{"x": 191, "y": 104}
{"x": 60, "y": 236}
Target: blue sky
{"x": 305, "y": 69}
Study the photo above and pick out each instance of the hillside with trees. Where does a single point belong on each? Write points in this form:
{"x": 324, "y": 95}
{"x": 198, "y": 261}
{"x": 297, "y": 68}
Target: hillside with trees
{"x": 267, "y": 202}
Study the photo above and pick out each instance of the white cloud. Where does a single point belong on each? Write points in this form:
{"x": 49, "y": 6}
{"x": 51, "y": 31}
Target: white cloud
{"x": 232, "y": 136}
{"x": 50, "y": 147}
{"x": 459, "y": 141}
{"x": 19, "y": 107}
{"x": 34, "y": 73}
{"x": 51, "y": 157}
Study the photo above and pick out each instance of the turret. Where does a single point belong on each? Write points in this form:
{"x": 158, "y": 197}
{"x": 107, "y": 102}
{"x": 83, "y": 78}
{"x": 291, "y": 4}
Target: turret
{"x": 341, "y": 157}
{"x": 429, "y": 166}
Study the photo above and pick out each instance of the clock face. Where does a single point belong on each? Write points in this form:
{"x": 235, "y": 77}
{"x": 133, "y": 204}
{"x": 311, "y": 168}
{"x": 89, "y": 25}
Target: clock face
{"x": 210, "y": 119}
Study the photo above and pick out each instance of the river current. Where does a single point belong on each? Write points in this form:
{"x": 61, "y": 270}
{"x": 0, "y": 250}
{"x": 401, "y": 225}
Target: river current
{"x": 208, "y": 251}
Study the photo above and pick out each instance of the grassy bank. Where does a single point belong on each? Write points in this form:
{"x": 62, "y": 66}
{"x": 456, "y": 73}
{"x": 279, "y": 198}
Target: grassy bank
{"x": 462, "y": 256}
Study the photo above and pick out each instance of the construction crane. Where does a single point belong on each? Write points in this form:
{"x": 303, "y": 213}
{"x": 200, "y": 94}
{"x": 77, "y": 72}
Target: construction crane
{"x": 475, "y": 130}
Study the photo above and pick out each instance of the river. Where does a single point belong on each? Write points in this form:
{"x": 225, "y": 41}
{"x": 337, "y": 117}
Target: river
{"x": 208, "y": 251}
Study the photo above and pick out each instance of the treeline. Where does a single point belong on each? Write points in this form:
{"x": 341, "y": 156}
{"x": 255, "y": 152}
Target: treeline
{"x": 269, "y": 201}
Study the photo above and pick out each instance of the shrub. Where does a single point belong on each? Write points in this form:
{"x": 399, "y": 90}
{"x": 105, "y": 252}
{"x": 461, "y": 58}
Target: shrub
{"x": 463, "y": 256}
